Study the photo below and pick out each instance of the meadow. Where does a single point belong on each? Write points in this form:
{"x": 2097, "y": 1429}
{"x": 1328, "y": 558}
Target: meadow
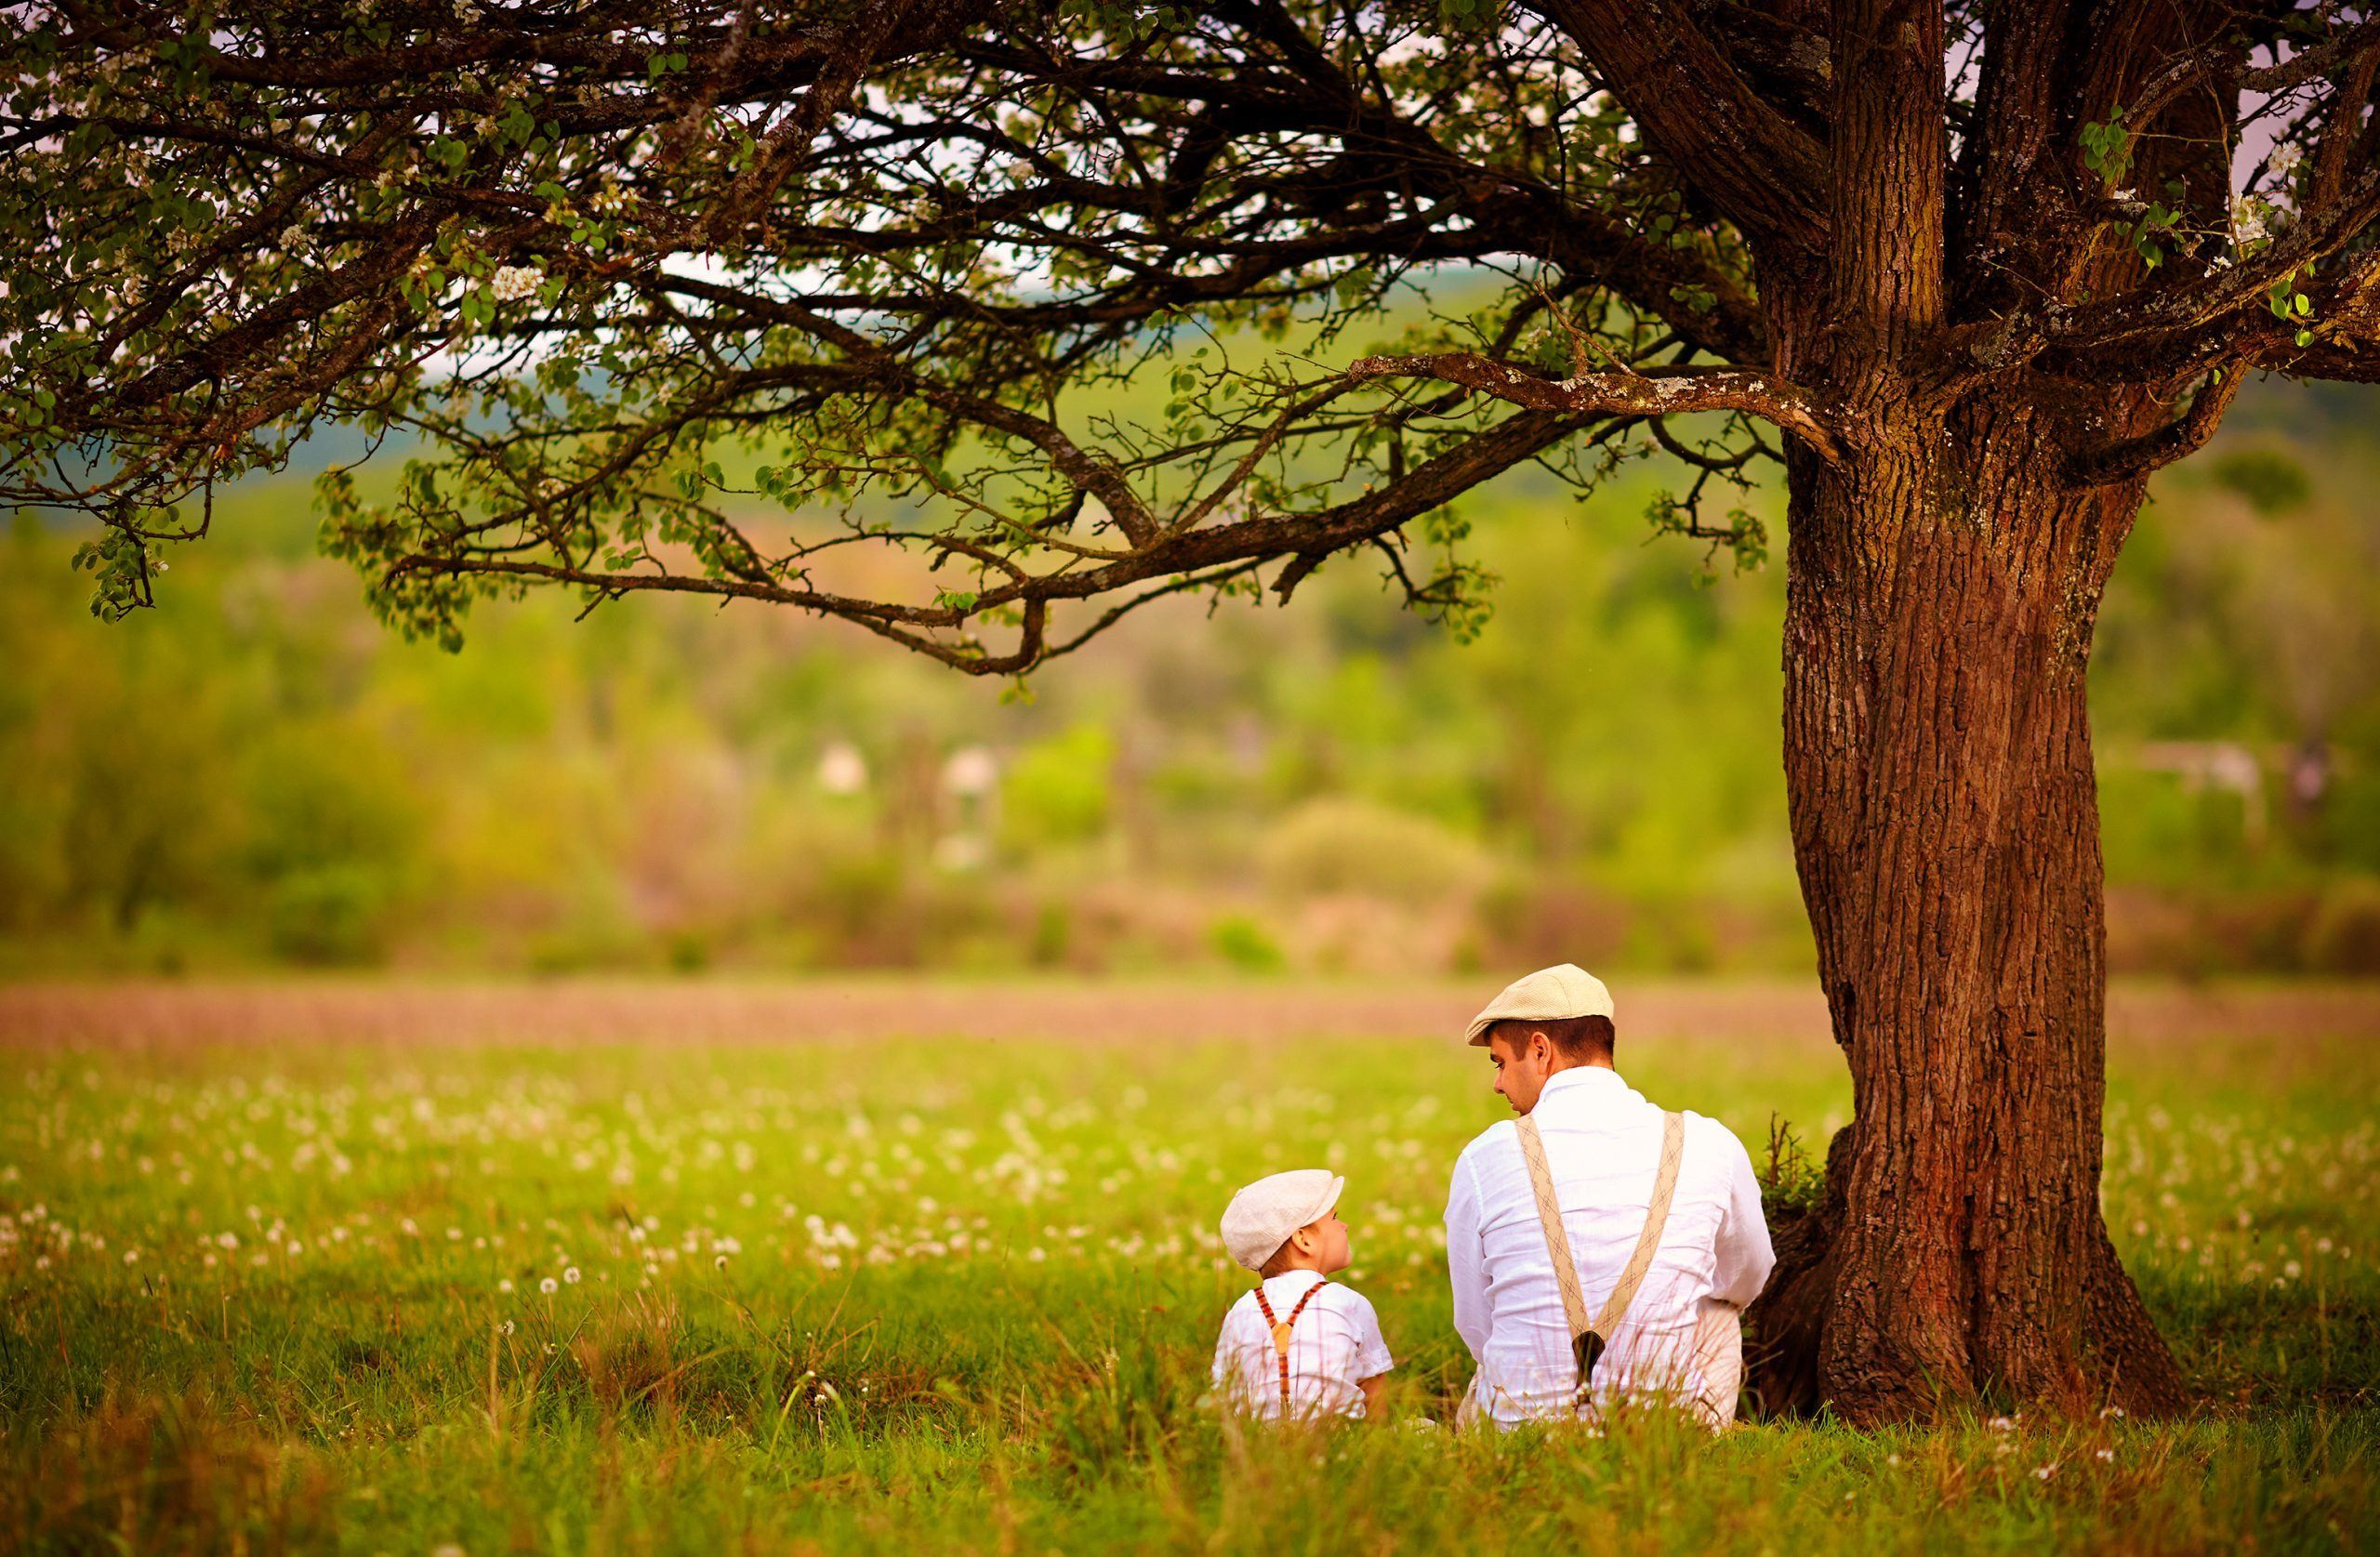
{"x": 905, "y": 1267}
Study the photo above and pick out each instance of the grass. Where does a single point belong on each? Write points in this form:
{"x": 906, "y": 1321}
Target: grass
{"x": 922, "y": 1296}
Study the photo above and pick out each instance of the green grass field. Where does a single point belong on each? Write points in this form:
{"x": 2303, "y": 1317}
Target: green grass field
{"x": 910, "y": 1293}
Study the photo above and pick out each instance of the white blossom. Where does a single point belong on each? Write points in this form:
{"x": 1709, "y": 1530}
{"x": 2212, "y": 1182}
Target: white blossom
{"x": 513, "y": 283}
{"x": 2247, "y": 222}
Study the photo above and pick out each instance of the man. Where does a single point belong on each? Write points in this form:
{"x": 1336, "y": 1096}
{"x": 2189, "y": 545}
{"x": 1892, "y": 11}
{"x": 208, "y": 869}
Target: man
{"x": 1667, "y": 1311}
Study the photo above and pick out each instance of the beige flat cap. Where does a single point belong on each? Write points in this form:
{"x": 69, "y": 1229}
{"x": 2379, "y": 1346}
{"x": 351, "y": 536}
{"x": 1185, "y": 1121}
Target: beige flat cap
{"x": 1548, "y": 994}
{"x": 1260, "y": 1218}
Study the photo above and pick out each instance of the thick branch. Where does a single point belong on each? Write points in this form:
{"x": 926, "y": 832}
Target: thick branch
{"x": 1302, "y": 538}
{"x": 1761, "y": 172}
{"x": 2185, "y": 435}
{"x": 1659, "y": 393}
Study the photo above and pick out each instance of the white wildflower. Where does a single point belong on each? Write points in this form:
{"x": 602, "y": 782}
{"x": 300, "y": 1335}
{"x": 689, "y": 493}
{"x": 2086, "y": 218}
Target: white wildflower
{"x": 548, "y": 1287}
{"x": 2247, "y": 227}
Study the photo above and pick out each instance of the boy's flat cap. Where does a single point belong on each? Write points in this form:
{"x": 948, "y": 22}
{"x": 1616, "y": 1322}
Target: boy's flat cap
{"x": 1548, "y": 994}
{"x": 1260, "y": 1218}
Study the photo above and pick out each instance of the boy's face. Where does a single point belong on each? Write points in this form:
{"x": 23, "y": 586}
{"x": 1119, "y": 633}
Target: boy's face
{"x": 1325, "y": 1243}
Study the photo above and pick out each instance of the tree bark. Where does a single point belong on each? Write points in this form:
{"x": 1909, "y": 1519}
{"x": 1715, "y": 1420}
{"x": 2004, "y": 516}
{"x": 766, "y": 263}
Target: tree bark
{"x": 1942, "y": 587}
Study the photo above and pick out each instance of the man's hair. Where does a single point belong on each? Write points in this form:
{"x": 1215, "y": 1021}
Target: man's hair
{"x": 1581, "y": 1039}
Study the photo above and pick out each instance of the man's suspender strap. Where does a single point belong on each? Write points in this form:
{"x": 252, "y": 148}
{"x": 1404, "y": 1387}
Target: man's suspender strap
{"x": 1281, "y": 1330}
{"x": 1588, "y": 1339}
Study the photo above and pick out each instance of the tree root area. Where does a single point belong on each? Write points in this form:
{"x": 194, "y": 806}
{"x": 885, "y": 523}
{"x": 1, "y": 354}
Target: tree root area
{"x": 2124, "y": 1361}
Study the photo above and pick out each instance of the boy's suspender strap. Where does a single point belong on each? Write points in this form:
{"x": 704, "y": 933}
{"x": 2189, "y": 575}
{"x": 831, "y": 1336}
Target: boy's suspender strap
{"x": 1281, "y": 1330}
{"x": 1588, "y": 1339}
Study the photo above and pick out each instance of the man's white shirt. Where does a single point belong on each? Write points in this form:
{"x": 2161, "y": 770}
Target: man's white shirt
{"x": 1334, "y": 1343}
{"x": 1603, "y": 1144}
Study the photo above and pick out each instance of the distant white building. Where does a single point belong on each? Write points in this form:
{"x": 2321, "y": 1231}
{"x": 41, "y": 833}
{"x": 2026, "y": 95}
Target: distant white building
{"x": 970, "y": 773}
{"x": 841, "y": 769}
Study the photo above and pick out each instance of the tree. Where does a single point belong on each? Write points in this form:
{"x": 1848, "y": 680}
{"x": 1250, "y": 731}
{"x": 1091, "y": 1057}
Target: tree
{"x": 903, "y": 261}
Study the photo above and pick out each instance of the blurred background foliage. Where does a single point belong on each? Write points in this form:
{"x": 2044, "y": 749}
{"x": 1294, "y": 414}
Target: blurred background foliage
{"x": 257, "y": 774}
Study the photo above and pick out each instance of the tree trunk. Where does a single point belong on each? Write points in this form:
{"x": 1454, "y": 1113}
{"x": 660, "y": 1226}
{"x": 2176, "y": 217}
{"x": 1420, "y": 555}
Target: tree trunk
{"x": 1942, "y": 587}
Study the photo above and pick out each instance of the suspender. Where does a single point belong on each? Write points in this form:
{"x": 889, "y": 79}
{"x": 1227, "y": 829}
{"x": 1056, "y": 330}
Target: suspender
{"x": 1281, "y": 1328}
{"x": 1589, "y": 1338}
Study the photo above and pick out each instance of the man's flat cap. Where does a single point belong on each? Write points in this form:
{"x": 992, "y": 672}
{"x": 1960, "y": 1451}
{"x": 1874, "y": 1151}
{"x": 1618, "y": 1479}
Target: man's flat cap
{"x": 1548, "y": 994}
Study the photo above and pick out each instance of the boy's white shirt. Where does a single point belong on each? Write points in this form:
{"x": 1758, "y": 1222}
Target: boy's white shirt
{"x": 1334, "y": 1343}
{"x": 1603, "y": 1144}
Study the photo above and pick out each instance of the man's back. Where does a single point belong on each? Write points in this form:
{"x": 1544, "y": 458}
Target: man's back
{"x": 1603, "y": 1145}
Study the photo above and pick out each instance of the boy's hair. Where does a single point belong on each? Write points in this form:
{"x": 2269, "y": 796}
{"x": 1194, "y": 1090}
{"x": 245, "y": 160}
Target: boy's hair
{"x": 1581, "y": 1040}
{"x": 1273, "y": 1266}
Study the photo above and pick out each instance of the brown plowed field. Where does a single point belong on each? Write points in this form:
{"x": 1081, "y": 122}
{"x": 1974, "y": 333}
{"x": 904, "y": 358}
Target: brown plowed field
{"x": 311, "y": 1012}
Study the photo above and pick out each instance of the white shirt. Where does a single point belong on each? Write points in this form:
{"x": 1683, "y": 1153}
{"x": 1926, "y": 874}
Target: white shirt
{"x": 1335, "y": 1343}
{"x": 1603, "y": 1144}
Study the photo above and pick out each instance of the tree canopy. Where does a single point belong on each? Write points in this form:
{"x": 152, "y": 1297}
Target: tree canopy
{"x": 709, "y": 298}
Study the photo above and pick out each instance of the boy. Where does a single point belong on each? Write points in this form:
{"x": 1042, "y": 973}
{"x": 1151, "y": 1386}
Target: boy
{"x": 1300, "y": 1345}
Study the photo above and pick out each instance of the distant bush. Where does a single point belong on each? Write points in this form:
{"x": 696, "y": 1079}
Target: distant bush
{"x": 2273, "y": 483}
{"x": 331, "y": 915}
{"x": 1534, "y": 918}
{"x": 1329, "y": 846}
{"x": 2345, "y": 936}
{"x": 1244, "y": 944}
{"x": 2332, "y": 930}
{"x": 1057, "y": 790}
